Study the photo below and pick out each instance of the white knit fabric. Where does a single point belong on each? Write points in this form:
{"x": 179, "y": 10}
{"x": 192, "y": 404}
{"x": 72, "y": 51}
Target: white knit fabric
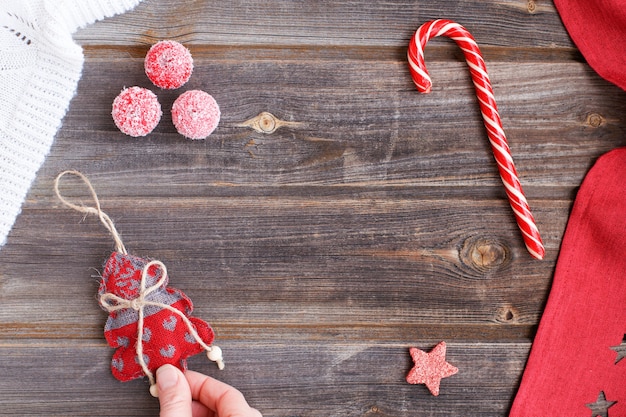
{"x": 40, "y": 65}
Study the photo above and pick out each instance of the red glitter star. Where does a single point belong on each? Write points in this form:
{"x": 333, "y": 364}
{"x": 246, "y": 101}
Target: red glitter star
{"x": 430, "y": 367}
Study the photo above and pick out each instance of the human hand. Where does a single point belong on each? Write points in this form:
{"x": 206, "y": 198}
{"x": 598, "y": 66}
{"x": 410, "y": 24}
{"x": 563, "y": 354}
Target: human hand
{"x": 196, "y": 395}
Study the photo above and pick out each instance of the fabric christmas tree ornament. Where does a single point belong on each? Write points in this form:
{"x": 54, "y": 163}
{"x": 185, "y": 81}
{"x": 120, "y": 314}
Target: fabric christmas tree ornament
{"x": 169, "y": 334}
{"x": 598, "y": 29}
{"x": 149, "y": 323}
{"x": 40, "y": 66}
{"x": 577, "y": 364}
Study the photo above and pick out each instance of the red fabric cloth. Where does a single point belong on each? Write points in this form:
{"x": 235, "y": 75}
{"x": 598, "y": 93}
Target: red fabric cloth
{"x": 166, "y": 338}
{"x": 598, "y": 28}
{"x": 571, "y": 361}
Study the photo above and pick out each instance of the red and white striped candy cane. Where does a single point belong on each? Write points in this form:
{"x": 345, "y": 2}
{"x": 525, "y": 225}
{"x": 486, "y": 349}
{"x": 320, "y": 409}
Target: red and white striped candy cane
{"x": 484, "y": 92}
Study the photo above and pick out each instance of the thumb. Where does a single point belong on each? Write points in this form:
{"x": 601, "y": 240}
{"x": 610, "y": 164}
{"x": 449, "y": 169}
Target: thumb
{"x": 174, "y": 392}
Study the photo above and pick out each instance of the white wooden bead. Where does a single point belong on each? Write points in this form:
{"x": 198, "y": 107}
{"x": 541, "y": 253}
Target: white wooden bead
{"x": 215, "y": 354}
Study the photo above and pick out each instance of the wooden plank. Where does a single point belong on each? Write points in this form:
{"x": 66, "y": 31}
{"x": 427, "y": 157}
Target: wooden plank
{"x": 404, "y": 262}
{"x": 512, "y": 23}
{"x": 351, "y": 123}
{"x": 280, "y": 379}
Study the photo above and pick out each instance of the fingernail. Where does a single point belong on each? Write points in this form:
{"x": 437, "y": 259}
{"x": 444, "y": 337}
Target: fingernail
{"x": 167, "y": 377}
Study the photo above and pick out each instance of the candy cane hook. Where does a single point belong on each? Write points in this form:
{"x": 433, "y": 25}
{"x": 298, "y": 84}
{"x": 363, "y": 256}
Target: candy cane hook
{"x": 489, "y": 110}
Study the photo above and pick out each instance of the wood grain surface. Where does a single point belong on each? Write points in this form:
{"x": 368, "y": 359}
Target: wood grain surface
{"x": 335, "y": 218}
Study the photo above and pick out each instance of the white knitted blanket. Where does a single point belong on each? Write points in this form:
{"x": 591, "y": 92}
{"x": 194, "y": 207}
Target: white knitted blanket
{"x": 40, "y": 65}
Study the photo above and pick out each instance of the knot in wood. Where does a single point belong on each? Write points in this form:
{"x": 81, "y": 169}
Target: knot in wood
{"x": 373, "y": 410}
{"x": 267, "y": 123}
{"x": 531, "y": 6}
{"x": 484, "y": 253}
{"x": 264, "y": 123}
{"x": 507, "y": 314}
{"x": 595, "y": 120}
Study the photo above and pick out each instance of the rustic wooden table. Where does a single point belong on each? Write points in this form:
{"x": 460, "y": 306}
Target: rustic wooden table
{"x": 335, "y": 218}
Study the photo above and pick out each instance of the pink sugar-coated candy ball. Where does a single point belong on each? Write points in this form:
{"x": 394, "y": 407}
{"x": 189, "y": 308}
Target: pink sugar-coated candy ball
{"x": 168, "y": 64}
{"x": 136, "y": 111}
{"x": 195, "y": 114}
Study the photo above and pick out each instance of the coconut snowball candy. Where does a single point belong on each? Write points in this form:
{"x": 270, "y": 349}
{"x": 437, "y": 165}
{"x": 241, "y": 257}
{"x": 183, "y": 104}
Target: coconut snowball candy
{"x": 168, "y": 64}
{"x": 136, "y": 111}
{"x": 195, "y": 114}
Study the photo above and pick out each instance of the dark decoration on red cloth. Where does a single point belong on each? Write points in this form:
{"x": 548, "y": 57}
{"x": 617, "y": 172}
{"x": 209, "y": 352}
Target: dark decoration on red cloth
{"x": 601, "y": 407}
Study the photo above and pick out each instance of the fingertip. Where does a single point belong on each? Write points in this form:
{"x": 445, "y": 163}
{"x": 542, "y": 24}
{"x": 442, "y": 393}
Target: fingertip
{"x": 219, "y": 397}
{"x": 168, "y": 376}
{"x": 173, "y": 392}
